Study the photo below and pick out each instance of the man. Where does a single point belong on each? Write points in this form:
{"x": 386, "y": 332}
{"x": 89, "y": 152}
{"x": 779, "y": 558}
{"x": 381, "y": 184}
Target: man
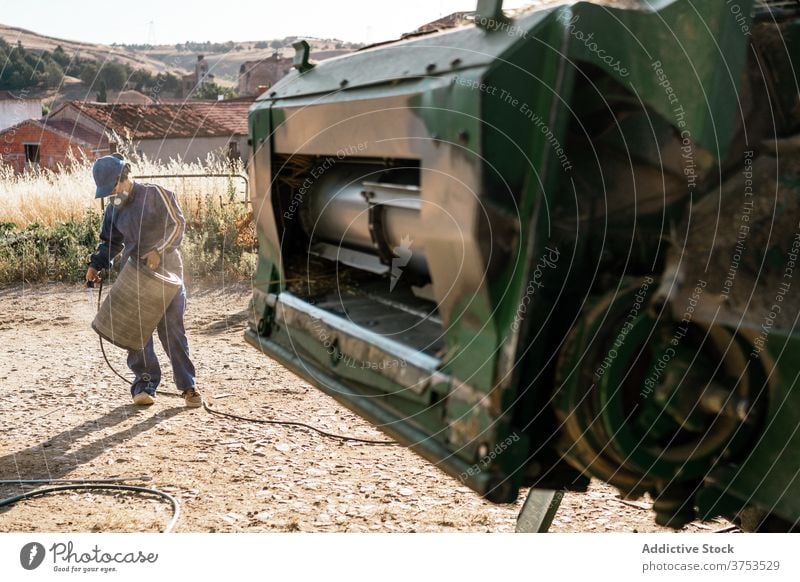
{"x": 145, "y": 222}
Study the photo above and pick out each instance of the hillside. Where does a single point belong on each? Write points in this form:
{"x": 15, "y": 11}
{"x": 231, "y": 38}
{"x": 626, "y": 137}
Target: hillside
{"x": 169, "y": 58}
{"x": 225, "y": 65}
{"x": 37, "y": 42}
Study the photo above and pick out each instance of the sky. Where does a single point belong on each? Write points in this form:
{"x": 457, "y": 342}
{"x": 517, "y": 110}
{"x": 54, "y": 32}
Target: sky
{"x": 173, "y": 21}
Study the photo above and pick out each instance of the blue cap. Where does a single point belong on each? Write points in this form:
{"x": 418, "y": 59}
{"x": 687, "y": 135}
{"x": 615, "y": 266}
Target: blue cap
{"x": 106, "y": 171}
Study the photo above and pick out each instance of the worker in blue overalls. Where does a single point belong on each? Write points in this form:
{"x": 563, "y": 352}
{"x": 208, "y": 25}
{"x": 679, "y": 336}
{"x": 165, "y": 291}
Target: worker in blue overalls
{"x": 145, "y": 222}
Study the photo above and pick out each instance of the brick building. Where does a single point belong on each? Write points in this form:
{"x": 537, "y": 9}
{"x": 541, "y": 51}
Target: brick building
{"x": 198, "y": 78}
{"x": 262, "y": 74}
{"x": 257, "y": 76}
{"x": 168, "y": 130}
{"x": 161, "y": 131}
{"x": 46, "y": 143}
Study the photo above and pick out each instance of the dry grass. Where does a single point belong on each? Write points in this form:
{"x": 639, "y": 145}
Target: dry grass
{"x": 49, "y": 220}
{"x": 49, "y": 198}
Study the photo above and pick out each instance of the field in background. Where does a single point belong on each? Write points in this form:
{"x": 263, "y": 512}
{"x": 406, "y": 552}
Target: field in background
{"x": 50, "y": 221}
{"x": 224, "y": 58}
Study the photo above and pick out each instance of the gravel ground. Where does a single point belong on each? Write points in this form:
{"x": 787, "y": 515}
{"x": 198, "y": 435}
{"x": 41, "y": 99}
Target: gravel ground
{"x": 64, "y": 415}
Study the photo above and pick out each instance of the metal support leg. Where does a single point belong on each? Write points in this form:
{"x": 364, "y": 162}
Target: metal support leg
{"x": 538, "y": 511}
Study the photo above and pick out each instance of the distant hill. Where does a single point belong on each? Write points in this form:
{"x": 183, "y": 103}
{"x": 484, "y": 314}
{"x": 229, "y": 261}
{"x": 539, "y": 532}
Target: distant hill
{"x": 225, "y": 65}
{"x": 37, "y": 42}
{"x": 169, "y": 58}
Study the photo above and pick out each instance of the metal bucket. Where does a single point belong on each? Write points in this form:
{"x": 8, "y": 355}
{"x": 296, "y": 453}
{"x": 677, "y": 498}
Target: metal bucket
{"x": 135, "y": 304}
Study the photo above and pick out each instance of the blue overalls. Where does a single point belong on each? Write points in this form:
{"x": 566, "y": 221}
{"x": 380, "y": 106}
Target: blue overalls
{"x": 151, "y": 219}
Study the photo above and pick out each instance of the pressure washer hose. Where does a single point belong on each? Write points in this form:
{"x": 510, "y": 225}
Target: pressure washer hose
{"x": 211, "y": 410}
{"x": 102, "y": 346}
{"x": 111, "y": 484}
{"x": 299, "y": 425}
{"x": 92, "y": 485}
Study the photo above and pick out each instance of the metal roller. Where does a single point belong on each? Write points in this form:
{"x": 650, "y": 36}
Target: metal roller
{"x": 358, "y": 209}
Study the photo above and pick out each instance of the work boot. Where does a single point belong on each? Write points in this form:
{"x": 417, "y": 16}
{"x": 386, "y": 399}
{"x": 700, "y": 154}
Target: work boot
{"x": 192, "y": 398}
{"x": 143, "y": 399}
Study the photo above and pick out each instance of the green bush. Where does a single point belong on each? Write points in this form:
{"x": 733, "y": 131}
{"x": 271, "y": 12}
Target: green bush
{"x": 221, "y": 243}
{"x": 37, "y": 253}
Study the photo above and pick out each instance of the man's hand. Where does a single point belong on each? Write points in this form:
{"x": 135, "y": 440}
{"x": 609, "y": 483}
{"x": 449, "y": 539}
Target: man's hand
{"x": 152, "y": 259}
{"x": 93, "y": 275}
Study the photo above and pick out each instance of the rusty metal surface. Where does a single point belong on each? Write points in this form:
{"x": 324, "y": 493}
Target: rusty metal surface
{"x": 736, "y": 262}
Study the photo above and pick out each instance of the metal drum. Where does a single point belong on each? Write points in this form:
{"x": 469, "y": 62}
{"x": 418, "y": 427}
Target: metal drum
{"x": 135, "y": 304}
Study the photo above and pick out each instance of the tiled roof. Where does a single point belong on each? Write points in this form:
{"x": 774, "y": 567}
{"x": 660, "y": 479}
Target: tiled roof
{"x": 129, "y": 96}
{"x": 231, "y": 115}
{"x": 67, "y": 128}
{"x": 169, "y": 120}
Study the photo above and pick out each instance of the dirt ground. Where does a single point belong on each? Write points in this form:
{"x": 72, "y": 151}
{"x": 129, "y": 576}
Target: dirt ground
{"x": 64, "y": 415}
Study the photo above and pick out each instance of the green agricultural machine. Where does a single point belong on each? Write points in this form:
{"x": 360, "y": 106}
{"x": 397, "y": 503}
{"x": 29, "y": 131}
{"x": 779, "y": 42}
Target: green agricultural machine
{"x": 551, "y": 245}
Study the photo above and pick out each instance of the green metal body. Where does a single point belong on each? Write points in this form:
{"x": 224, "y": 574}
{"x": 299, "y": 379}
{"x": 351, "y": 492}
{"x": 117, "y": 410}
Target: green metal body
{"x": 544, "y": 151}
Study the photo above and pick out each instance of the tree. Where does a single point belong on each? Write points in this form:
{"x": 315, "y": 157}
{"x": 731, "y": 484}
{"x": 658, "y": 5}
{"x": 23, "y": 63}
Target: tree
{"x": 61, "y": 57}
{"x": 88, "y": 74}
{"x": 53, "y": 74}
{"x": 212, "y": 91}
{"x": 141, "y": 79}
{"x": 276, "y": 44}
{"x": 102, "y": 94}
{"x": 21, "y": 68}
{"x": 113, "y": 76}
{"x": 171, "y": 83}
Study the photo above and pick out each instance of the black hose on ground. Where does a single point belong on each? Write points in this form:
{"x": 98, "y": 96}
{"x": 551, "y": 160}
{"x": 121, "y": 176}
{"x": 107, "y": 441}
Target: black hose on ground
{"x": 297, "y": 424}
{"x": 92, "y": 484}
{"x": 176, "y": 506}
{"x": 244, "y": 418}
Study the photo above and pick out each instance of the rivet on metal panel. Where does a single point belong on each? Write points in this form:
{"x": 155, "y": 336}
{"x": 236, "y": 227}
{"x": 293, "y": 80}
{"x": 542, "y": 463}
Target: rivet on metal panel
{"x": 335, "y": 352}
{"x": 483, "y": 450}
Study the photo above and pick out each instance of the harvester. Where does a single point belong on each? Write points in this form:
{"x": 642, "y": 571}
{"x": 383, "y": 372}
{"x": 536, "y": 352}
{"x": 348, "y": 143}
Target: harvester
{"x": 551, "y": 245}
